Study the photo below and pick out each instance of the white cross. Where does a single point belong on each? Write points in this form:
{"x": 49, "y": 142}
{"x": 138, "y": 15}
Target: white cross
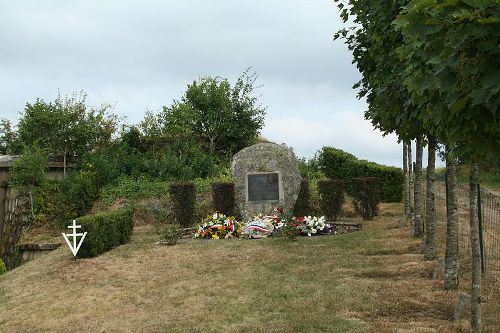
{"x": 74, "y": 247}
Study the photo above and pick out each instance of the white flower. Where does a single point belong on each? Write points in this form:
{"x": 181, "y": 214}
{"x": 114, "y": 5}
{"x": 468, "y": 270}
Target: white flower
{"x": 314, "y": 231}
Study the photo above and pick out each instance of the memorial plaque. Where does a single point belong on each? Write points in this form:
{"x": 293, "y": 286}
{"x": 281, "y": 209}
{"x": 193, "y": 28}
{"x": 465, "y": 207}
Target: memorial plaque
{"x": 263, "y": 187}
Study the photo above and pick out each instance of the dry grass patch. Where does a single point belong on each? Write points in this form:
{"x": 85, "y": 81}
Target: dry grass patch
{"x": 373, "y": 280}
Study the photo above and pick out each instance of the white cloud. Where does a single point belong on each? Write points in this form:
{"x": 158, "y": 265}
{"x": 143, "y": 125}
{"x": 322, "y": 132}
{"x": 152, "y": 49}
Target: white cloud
{"x": 344, "y": 130}
{"x": 141, "y": 56}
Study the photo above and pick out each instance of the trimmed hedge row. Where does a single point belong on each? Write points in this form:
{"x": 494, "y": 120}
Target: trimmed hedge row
{"x": 331, "y": 194}
{"x": 183, "y": 196}
{"x": 366, "y": 196}
{"x": 223, "y": 198}
{"x": 338, "y": 164}
{"x": 303, "y": 204}
{"x": 105, "y": 231}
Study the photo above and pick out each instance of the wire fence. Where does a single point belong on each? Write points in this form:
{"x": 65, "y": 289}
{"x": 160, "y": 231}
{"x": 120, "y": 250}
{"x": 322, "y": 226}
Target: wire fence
{"x": 490, "y": 212}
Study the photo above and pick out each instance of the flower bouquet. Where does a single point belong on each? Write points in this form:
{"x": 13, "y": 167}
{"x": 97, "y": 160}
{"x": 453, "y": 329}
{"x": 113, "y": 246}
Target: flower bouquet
{"x": 218, "y": 226}
{"x": 260, "y": 226}
{"x": 312, "y": 225}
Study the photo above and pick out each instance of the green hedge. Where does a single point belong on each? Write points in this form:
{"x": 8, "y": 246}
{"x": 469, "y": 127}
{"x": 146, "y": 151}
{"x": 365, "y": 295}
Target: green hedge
{"x": 338, "y": 164}
{"x": 223, "y": 198}
{"x": 302, "y": 206}
{"x": 331, "y": 197}
{"x": 183, "y": 196}
{"x": 105, "y": 231}
{"x": 366, "y": 197}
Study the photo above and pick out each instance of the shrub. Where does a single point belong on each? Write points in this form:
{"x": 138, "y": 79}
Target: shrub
{"x": 303, "y": 204}
{"x": 3, "y": 269}
{"x": 338, "y": 164}
{"x": 133, "y": 189}
{"x": 29, "y": 169}
{"x": 171, "y": 233}
{"x": 105, "y": 231}
{"x": 202, "y": 207}
{"x": 183, "y": 196}
{"x": 79, "y": 190}
{"x": 331, "y": 196}
{"x": 366, "y": 196}
{"x": 290, "y": 230}
{"x": 223, "y": 198}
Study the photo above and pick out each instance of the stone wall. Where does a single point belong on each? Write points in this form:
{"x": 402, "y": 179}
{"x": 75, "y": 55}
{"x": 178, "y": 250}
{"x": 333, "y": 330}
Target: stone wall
{"x": 16, "y": 209}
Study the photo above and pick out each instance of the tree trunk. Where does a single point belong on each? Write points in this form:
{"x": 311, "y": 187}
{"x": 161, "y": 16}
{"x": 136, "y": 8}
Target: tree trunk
{"x": 475, "y": 249}
{"x": 64, "y": 172}
{"x": 212, "y": 146}
{"x": 417, "y": 223}
{"x": 430, "y": 211}
{"x": 406, "y": 183}
{"x": 410, "y": 185}
{"x": 451, "y": 253}
{"x": 17, "y": 210}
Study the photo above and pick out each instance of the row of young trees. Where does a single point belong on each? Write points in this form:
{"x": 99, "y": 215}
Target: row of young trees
{"x": 430, "y": 73}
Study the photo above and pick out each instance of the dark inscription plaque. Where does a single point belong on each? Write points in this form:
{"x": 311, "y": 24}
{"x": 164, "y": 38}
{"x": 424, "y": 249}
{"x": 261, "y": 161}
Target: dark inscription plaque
{"x": 263, "y": 187}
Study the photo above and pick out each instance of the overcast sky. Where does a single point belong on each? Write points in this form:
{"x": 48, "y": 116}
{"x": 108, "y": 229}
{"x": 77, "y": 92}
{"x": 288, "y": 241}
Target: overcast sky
{"x": 140, "y": 55}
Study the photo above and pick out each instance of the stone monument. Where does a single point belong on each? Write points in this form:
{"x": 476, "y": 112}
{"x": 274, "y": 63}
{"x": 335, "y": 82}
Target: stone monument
{"x": 265, "y": 175}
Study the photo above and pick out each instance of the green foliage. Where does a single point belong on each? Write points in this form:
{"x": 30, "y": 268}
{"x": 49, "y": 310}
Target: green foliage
{"x": 80, "y": 190}
{"x": 310, "y": 169}
{"x": 171, "y": 234}
{"x": 331, "y": 194}
{"x": 133, "y": 188}
{"x": 105, "y": 231}
{"x": 373, "y": 42}
{"x": 9, "y": 139}
{"x": 66, "y": 127}
{"x": 452, "y": 71}
{"x": 29, "y": 169}
{"x": 302, "y": 206}
{"x": 183, "y": 196}
{"x": 132, "y": 137}
{"x": 151, "y": 126}
{"x": 366, "y": 196}
{"x": 53, "y": 207}
{"x": 3, "y": 269}
{"x": 111, "y": 162}
{"x": 338, "y": 164}
{"x": 223, "y": 198}
{"x": 229, "y": 118}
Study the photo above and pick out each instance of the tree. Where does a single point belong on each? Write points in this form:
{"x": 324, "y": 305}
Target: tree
{"x": 230, "y": 118}
{"x": 430, "y": 211}
{"x": 29, "y": 171}
{"x": 373, "y": 42}
{"x": 451, "y": 262}
{"x": 406, "y": 184}
{"x": 417, "y": 221}
{"x": 453, "y": 72}
{"x": 9, "y": 139}
{"x": 66, "y": 127}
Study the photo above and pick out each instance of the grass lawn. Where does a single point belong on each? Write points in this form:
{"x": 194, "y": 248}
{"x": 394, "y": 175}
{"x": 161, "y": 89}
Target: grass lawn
{"x": 373, "y": 280}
